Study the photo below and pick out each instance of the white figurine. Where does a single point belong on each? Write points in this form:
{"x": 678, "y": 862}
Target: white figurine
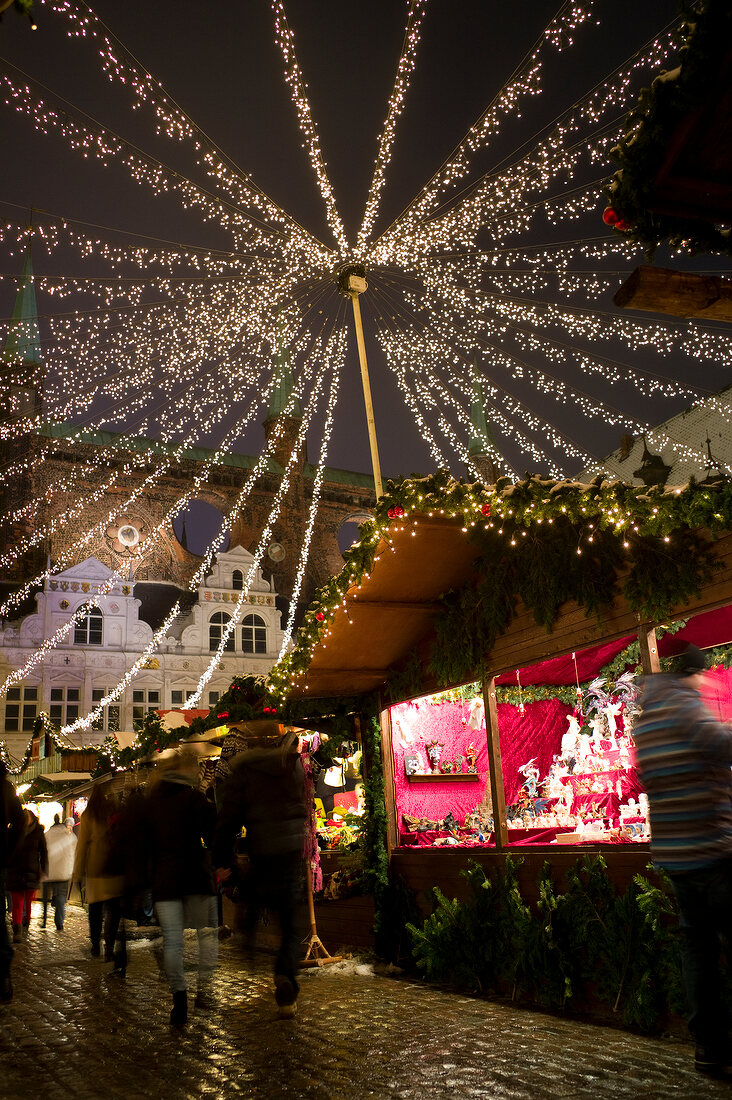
{"x": 597, "y": 724}
{"x": 569, "y": 740}
{"x": 611, "y": 712}
{"x": 476, "y": 714}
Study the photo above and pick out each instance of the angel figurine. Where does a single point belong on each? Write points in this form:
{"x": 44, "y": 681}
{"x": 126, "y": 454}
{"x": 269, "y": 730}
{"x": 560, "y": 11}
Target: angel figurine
{"x": 611, "y": 712}
{"x": 531, "y": 777}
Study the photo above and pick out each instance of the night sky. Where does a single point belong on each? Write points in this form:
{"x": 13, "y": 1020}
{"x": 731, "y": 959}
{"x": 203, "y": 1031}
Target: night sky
{"x": 222, "y": 65}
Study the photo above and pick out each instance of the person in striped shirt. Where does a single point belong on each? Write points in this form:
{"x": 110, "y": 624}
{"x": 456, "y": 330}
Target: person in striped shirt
{"x": 684, "y": 756}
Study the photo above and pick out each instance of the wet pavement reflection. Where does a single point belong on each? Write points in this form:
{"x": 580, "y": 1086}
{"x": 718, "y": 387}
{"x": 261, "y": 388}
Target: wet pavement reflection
{"x": 75, "y": 1030}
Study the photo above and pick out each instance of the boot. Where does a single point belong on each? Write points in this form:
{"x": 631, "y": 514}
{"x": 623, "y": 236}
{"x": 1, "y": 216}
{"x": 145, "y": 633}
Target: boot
{"x": 17, "y": 933}
{"x": 179, "y": 1011}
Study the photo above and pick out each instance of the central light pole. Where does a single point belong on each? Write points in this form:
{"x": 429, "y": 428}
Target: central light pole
{"x": 351, "y": 280}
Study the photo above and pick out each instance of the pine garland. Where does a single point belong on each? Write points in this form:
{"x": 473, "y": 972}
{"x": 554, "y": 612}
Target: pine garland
{"x": 542, "y": 541}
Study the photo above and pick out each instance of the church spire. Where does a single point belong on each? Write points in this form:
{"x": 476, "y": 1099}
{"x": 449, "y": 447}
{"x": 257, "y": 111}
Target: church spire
{"x": 283, "y": 388}
{"x": 24, "y": 339}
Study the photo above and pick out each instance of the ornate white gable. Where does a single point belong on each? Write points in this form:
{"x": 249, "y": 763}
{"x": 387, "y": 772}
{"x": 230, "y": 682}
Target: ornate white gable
{"x": 91, "y": 570}
{"x": 222, "y": 572}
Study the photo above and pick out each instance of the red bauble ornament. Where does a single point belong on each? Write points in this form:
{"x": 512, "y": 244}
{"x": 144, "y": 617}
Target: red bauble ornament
{"x": 622, "y": 225}
{"x": 486, "y": 509}
{"x": 395, "y": 513}
{"x": 320, "y": 615}
{"x": 610, "y": 216}
{"x": 223, "y": 714}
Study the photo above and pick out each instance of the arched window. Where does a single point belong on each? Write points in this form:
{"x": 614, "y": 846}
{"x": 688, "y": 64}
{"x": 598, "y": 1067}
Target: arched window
{"x": 237, "y": 580}
{"x": 254, "y": 634}
{"x": 88, "y": 629}
{"x": 215, "y": 630}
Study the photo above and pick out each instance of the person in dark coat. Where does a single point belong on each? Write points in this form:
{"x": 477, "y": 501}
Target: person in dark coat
{"x": 178, "y": 829}
{"x": 12, "y": 824}
{"x": 265, "y": 793}
{"x": 27, "y": 866}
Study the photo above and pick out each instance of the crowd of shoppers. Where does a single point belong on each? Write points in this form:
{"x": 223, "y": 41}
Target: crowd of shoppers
{"x": 168, "y": 847}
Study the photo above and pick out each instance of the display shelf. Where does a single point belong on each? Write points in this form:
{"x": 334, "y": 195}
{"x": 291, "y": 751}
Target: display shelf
{"x": 448, "y": 777}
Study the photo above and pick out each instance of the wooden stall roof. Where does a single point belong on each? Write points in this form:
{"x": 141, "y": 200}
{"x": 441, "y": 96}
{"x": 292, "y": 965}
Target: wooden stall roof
{"x": 391, "y": 613}
{"x": 392, "y": 610}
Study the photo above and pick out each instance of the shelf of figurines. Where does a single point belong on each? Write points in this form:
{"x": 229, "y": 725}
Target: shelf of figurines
{"x": 443, "y": 777}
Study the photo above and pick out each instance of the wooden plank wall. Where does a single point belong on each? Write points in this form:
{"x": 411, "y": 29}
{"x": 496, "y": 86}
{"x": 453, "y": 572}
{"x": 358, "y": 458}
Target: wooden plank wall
{"x": 423, "y": 868}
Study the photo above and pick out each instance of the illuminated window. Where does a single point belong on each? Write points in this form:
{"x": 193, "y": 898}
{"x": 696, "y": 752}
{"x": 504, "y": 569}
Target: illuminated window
{"x": 216, "y": 626}
{"x": 143, "y": 702}
{"x": 108, "y": 720}
{"x": 65, "y": 705}
{"x": 88, "y": 631}
{"x": 254, "y": 634}
{"x": 21, "y": 709}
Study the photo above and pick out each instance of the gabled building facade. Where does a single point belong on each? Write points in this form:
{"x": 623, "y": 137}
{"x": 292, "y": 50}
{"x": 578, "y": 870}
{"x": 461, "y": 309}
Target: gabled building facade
{"x": 117, "y": 622}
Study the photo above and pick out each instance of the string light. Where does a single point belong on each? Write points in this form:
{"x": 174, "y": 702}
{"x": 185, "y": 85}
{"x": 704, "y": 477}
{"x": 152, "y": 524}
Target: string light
{"x": 177, "y": 337}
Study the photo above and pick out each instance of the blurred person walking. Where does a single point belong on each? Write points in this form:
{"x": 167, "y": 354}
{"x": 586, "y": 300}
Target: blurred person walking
{"x": 684, "y": 756}
{"x": 265, "y": 793}
{"x": 27, "y": 867}
{"x": 103, "y": 889}
{"x": 177, "y": 828}
{"x": 61, "y": 845}
{"x": 12, "y": 823}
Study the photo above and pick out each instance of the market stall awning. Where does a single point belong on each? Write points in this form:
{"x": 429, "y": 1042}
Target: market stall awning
{"x": 390, "y": 616}
{"x": 391, "y": 611}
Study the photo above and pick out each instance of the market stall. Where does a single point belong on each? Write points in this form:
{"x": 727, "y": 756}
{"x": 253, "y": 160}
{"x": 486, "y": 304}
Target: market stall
{"x": 428, "y": 607}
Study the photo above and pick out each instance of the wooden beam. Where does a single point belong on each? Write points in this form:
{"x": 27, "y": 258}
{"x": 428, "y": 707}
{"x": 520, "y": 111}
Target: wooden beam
{"x": 678, "y": 293}
{"x": 369, "y": 673}
{"x": 395, "y": 605}
{"x": 650, "y": 662}
{"x": 387, "y": 763}
{"x": 498, "y": 794}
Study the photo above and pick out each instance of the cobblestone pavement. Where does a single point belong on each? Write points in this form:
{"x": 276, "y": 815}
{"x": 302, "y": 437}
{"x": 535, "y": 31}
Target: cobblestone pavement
{"x": 71, "y": 1030}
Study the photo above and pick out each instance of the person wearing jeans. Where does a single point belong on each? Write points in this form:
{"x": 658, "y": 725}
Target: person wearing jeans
{"x": 176, "y": 829}
{"x": 176, "y": 914}
{"x": 61, "y": 845}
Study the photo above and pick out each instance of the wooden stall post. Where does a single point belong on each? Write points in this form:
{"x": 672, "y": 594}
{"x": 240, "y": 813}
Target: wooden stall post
{"x": 498, "y": 795}
{"x": 387, "y": 761}
{"x": 650, "y": 662}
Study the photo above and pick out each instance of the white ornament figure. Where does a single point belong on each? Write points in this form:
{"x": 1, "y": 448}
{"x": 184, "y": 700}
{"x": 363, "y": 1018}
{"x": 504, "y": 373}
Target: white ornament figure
{"x": 569, "y": 740}
{"x": 611, "y": 712}
{"x": 476, "y": 714}
{"x": 597, "y": 725}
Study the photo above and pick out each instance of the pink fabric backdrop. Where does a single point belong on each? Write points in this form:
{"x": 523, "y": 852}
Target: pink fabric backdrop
{"x": 421, "y": 722}
{"x": 561, "y": 670}
{"x": 717, "y": 693}
{"x": 537, "y": 732}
